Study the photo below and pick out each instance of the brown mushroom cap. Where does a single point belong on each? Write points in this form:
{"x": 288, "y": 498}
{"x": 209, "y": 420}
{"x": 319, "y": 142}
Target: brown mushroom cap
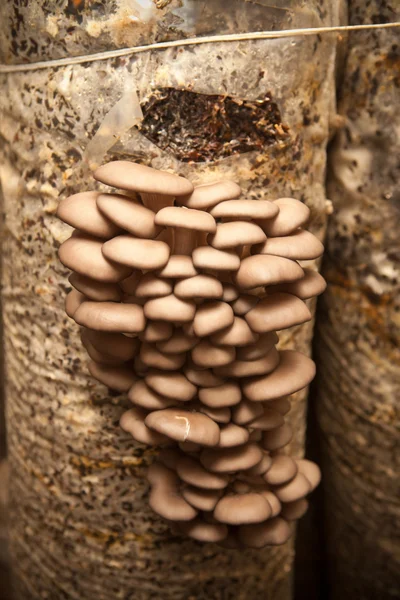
{"x": 211, "y": 317}
{"x": 96, "y": 354}
{"x": 177, "y": 267}
{"x": 186, "y": 218}
{"x": 192, "y": 472}
{"x": 129, "y": 284}
{"x": 262, "y": 467}
{"x": 129, "y": 215}
{"x": 245, "y": 209}
{"x": 242, "y": 508}
{"x": 232, "y": 435}
{"x": 236, "y": 233}
{"x": 182, "y": 426}
{"x": 310, "y": 470}
{"x": 282, "y": 470}
{"x": 277, "y": 311}
{"x": 260, "y": 270}
{"x": 250, "y": 368}
{"x": 136, "y": 252}
{"x": 245, "y": 412}
{"x": 260, "y": 348}
{"x": 273, "y": 532}
{"x": 157, "y": 331}
{"x": 208, "y": 195}
{"x": 229, "y": 460}
{"x": 273, "y": 502}
{"x": 243, "y": 304}
{"x": 83, "y": 254}
{"x": 219, "y": 415}
{"x": 312, "y": 284}
{"x": 165, "y": 498}
{"x": 152, "y": 357}
{"x": 206, "y": 257}
{"x": 139, "y": 178}
{"x": 227, "y": 394}
{"x": 296, "y": 488}
{"x": 118, "y": 377}
{"x": 200, "y": 498}
{"x": 114, "y": 344}
{"x": 178, "y": 342}
{"x": 199, "y": 286}
{"x": 171, "y": 385}
{"x": 201, "y": 531}
{"x": 292, "y": 214}
{"x": 95, "y": 290}
{"x": 81, "y": 211}
{"x": 237, "y": 334}
{"x": 274, "y": 439}
{"x": 132, "y": 421}
{"x": 300, "y": 245}
{"x": 281, "y": 405}
{"x": 206, "y": 355}
{"x": 202, "y": 377}
{"x": 271, "y": 419}
{"x": 170, "y": 308}
{"x": 142, "y": 395}
{"x": 73, "y": 300}
{"x": 110, "y": 316}
{"x": 291, "y": 511}
{"x": 229, "y": 293}
{"x": 151, "y": 286}
{"x": 294, "y": 372}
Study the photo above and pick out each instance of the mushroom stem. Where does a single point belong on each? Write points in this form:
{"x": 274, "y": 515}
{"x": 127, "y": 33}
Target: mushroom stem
{"x": 185, "y": 241}
{"x": 156, "y": 202}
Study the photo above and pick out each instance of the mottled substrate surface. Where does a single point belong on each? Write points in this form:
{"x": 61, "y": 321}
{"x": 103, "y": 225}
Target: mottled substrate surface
{"x": 80, "y": 524}
{"x": 358, "y": 335}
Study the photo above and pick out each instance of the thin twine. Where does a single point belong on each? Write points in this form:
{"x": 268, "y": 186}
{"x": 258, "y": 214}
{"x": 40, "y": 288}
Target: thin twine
{"x": 235, "y": 37}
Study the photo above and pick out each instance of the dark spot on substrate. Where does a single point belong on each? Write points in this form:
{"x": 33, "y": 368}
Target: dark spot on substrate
{"x": 201, "y": 128}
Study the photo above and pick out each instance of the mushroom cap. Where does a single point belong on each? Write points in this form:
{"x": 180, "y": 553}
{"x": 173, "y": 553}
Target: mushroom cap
{"x": 258, "y": 349}
{"x": 204, "y": 532}
{"x": 236, "y": 334}
{"x": 243, "y": 304}
{"x": 199, "y": 286}
{"x": 178, "y": 342}
{"x": 300, "y": 245}
{"x": 83, "y": 254}
{"x": 202, "y": 377}
{"x": 211, "y": 317}
{"x": 271, "y": 419}
{"x": 200, "y": 498}
{"x": 262, "y": 467}
{"x": 208, "y": 195}
{"x": 171, "y": 385}
{"x": 292, "y": 511}
{"x": 277, "y": 311}
{"x": 281, "y": 405}
{"x": 273, "y": 532}
{"x": 282, "y": 470}
{"x": 96, "y": 354}
{"x": 261, "y": 270}
{"x": 189, "y": 447}
{"x": 273, "y": 502}
{"x": 206, "y": 257}
{"x": 136, "y": 252}
{"x": 182, "y": 426}
{"x": 192, "y": 472}
{"x": 294, "y": 372}
{"x": 151, "y": 286}
{"x": 165, "y": 498}
{"x": 73, "y": 300}
{"x": 110, "y": 316}
{"x": 229, "y": 460}
{"x": 250, "y": 368}
{"x": 217, "y": 414}
{"x": 236, "y": 233}
{"x": 245, "y": 209}
{"x": 140, "y": 178}
{"x": 274, "y": 439}
{"x": 178, "y": 266}
{"x": 142, "y": 395}
{"x": 186, "y": 218}
{"x": 95, "y": 290}
{"x": 296, "y": 488}
{"x": 312, "y": 284}
{"x": 245, "y": 412}
{"x": 116, "y": 377}
{"x": 310, "y": 470}
{"x": 227, "y": 394}
{"x": 206, "y": 355}
{"x": 81, "y": 211}
{"x": 292, "y": 214}
{"x": 129, "y": 284}
{"x": 114, "y": 344}
{"x": 157, "y": 331}
{"x": 229, "y": 293}
{"x": 152, "y": 357}
{"x": 132, "y": 421}
{"x": 232, "y": 435}
{"x": 129, "y": 215}
{"x": 170, "y": 308}
{"x": 242, "y": 508}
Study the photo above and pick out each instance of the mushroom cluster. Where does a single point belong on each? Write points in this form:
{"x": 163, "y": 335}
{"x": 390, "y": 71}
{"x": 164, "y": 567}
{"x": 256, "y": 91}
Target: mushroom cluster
{"x": 179, "y": 292}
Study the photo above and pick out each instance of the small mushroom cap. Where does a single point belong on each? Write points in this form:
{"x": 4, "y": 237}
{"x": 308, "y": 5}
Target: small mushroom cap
{"x": 274, "y": 532}
{"x": 273, "y": 502}
{"x": 243, "y": 304}
{"x": 171, "y": 385}
{"x": 294, "y": 372}
{"x": 81, "y": 211}
{"x": 310, "y": 470}
{"x": 182, "y": 426}
{"x": 110, "y": 316}
{"x": 296, "y": 488}
{"x": 165, "y": 498}
{"x": 271, "y": 419}
{"x": 282, "y": 470}
{"x": 232, "y": 435}
{"x": 229, "y": 460}
{"x": 132, "y": 421}
{"x": 202, "y": 377}
{"x": 242, "y": 509}
{"x": 250, "y": 368}
{"x": 292, "y": 214}
{"x": 151, "y": 286}
{"x": 192, "y": 472}
{"x": 157, "y": 331}
{"x": 96, "y": 354}
{"x": 200, "y": 498}
{"x": 178, "y": 342}
{"x": 206, "y": 196}
{"x": 212, "y": 317}
{"x": 204, "y": 532}
{"x": 83, "y": 254}
{"x": 300, "y": 245}
{"x": 219, "y": 415}
{"x": 139, "y": 178}
{"x": 260, "y": 348}
{"x": 277, "y": 311}
{"x": 170, "y": 308}
{"x": 130, "y": 284}
{"x": 199, "y": 286}
{"x": 116, "y": 377}
{"x": 142, "y": 395}
{"x": 138, "y": 253}
{"x": 227, "y": 394}
{"x": 114, "y": 344}
{"x": 95, "y": 290}
{"x": 237, "y": 334}
{"x": 292, "y": 511}
{"x": 73, "y": 300}
{"x": 275, "y": 439}
{"x": 312, "y": 284}
{"x": 281, "y": 405}
{"x": 230, "y": 292}
{"x": 261, "y": 270}
{"x": 236, "y": 233}
{"x": 177, "y": 267}
{"x": 245, "y": 209}
{"x": 245, "y": 412}
{"x": 262, "y": 467}
{"x": 206, "y": 355}
{"x": 206, "y": 257}
{"x": 152, "y": 357}
{"x": 129, "y": 215}
{"x": 187, "y": 218}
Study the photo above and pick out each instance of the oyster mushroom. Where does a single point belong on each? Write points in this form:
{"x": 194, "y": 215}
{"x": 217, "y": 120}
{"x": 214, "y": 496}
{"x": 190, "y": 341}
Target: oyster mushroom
{"x": 143, "y": 396}
{"x": 237, "y": 334}
{"x": 118, "y": 377}
{"x": 274, "y": 439}
{"x": 100, "y": 291}
{"x": 277, "y": 311}
{"x": 132, "y": 421}
{"x": 109, "y": 316}
{"x": 81, "y": 211}
{"x": 242, "y": 509}
{"x": 151, "y": 286}
{"x": 171, "y": 385}
{"x": 236, "y": 233}
{"x": 165, "y": 497}
{"x": 129, "y": 215}
{"x": 232, "y": 435}
{"x": 206, "y": 257}
{"x": 259, "y": 348}
{"x": 250, "y": 368}
{"x": 261, "y": 270}
{"x": 212, "y": 317}
{"x": 273, "y": 532}
{"x": 312, "y": 284}
{"x": 282, "y": 470}
{"x": 229, "y": 460}
{"x": 300, "y": 245}
{"x": 136, "y": 252}
{"x": 206, "y": 196}
{"x": 227, "y": 394}
{"x": 292, "y": 214}
{"x": 192, "y": 472}
{"x": 245, "y": 209}
{"x": 170, "y": 308}
{"x": 182, "y": 425}
{"x": 199, "y": 287}
{"x": 200, "y": 498}
{"x": 206, "y": 355}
